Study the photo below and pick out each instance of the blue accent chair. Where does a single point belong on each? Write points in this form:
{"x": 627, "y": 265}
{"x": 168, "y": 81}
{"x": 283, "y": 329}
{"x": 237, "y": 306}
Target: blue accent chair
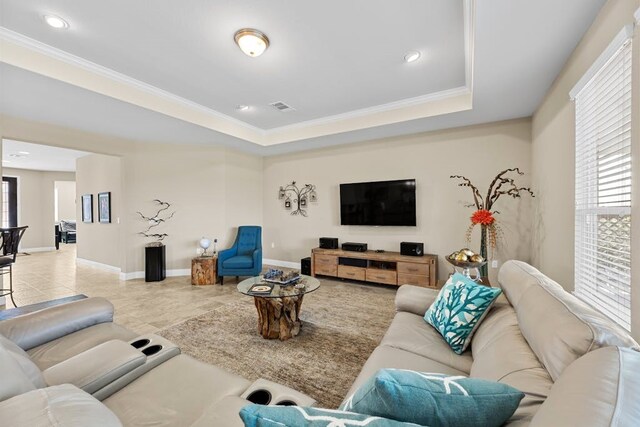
{"x": 244, "y": 258}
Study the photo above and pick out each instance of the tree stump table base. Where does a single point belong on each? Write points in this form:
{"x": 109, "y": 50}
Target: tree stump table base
{"x": 279, "y": 317}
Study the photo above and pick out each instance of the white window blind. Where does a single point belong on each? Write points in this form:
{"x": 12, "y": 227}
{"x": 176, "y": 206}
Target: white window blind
{"x": 603, "y": 186}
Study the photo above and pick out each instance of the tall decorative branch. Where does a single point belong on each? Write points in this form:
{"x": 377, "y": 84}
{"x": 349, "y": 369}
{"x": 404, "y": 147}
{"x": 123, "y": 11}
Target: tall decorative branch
{"x": 301, "y": 196}
{"x": 502, "y": 185}
{"x": 158, "y": 218}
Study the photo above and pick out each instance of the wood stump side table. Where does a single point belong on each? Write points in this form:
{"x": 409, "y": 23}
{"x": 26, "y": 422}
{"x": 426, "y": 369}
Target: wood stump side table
{"x": 279, "y": 309}
{"x": 204, "y": 270}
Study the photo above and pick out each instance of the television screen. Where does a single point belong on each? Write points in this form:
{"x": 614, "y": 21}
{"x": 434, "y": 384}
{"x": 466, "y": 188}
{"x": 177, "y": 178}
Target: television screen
{"x": 378, "y": 203}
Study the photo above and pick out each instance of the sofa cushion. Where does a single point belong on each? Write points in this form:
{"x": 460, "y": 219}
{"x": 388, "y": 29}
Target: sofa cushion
{"x": 13, "y": 379}
{"x": 559, "y": 327}
{"x": 599, "y": 389}
{"x": 63, "y": 405}
{"x": 411, "y": 333}
{"x": 239, "y": 261}
{"x": 459, "y": 309}
{"x": 175, "y": 393}
{"x": 280, "y": 416}
{"x": 390, "y": 357}
{"x": 500, "y": 353}
{"x": 61, "y": 349}
{"x": 224, "y": 412}
{"x": 415, "y": 299}
{"x": 26, "y": 365}
{"x": 434, "y": 399}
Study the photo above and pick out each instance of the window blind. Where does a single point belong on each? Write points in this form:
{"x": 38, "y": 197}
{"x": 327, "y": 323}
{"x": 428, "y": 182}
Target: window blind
{"x": 603, "y": 186}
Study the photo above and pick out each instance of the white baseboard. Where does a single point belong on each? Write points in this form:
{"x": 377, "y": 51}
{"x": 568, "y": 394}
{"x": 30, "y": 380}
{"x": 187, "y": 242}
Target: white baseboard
{"x": 140, "y": 274}
{"x": 278, "y": 263}
{"x": 90, "y": 263}
{"x": 43, "y": 249}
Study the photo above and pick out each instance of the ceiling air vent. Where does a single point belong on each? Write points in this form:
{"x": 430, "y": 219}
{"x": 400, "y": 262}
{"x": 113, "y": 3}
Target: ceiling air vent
{"x": 281, "y": 106}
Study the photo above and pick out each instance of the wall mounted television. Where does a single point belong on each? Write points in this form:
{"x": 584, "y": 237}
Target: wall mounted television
{"x": 378, "y": 203}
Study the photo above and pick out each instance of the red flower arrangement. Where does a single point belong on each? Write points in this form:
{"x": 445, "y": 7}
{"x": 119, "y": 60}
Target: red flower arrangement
{"x": 482, "y": 217}
{"x": 502, "y": 185}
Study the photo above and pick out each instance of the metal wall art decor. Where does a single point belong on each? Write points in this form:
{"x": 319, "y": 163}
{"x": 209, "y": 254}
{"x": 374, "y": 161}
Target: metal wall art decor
{"x": 157, "y": 219}
{"x": 298, "y": 197}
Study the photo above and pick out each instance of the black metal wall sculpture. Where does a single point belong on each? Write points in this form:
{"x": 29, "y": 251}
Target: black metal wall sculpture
{"x": 156, "y": 220}
{"x": 301, "y": 197}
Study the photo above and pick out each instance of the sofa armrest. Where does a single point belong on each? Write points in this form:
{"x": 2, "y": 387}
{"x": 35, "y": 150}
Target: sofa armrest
{"x": 63, "y": 405}
{"x": 34, "y": 329}
{"x": 97, "y": 367}
{"x": 414, "y": 299}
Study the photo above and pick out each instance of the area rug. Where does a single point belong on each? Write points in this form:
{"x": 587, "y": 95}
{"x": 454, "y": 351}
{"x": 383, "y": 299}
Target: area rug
{"x": 342, "y": 324}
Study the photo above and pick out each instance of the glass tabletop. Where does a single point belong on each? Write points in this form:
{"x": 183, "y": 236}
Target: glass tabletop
{"x": 257, "y": 287}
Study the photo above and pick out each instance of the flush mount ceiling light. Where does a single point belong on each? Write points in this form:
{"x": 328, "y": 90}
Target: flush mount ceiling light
{"x": 242, "y": 107}
{"x": 411, "y": 56}
{"x": 252, "y": 42}
{"x": 56, "y": 22}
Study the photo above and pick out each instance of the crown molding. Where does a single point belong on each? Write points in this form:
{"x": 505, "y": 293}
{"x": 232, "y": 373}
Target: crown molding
{"x": 469, "y": 40}
{"x": 76, "y": 61}
{"x": 30, "y": 54}
{"x": 383, "y": 108}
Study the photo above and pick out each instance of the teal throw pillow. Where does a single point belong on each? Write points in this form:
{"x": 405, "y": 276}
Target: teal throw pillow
{"x": 458, "y": 310}
{"x": 278, "y": 416}
{"x": 435, "y": 400}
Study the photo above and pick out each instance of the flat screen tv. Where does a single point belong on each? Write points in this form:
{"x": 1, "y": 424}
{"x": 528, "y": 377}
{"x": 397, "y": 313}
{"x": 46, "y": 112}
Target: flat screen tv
{"x": 378, "y": 203}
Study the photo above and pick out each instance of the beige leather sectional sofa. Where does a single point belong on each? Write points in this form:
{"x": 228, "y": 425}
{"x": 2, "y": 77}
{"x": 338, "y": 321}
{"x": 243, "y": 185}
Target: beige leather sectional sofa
{"x": 72, "y": 366}
{"x": 576, "y": 367}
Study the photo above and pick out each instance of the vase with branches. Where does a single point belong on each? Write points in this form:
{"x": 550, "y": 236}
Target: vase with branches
{"x": 502, "y": 185}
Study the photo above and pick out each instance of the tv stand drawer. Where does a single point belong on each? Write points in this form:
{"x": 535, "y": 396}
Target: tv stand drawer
{"x": 413, "y": 279}
{"x": 413, "y": 268}
{"x": 388, "y": 277}
{"x": 353, "y": 273}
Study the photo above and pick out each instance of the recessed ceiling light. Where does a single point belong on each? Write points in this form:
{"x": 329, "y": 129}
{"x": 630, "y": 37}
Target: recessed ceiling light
{"x": 56, "y": 22}
{"x": 411, "y": 56}
{"x": 242, "y": 107}
{"x": 252, "y": 42}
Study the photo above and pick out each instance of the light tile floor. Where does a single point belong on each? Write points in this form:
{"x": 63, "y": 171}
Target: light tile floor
{"x": 140, "y": 306}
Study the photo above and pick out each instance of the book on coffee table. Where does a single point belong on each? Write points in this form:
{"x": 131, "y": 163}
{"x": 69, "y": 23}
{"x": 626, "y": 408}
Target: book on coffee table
{"x": 261, "y": 289}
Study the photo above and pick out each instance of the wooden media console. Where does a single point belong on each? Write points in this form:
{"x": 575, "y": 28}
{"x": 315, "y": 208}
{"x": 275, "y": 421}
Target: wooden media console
{"x": 390, "y": 268}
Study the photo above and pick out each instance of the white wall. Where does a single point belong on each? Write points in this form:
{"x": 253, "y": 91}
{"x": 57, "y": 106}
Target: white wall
{"x": 478, "y": 152}
{"x": 66, "y": 200}
{"x": 96, "y": 241}
{"x": 36, "y": 206}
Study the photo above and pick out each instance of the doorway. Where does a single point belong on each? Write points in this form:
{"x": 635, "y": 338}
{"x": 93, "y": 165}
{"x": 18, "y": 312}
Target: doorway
{"x": 9, "y": 201}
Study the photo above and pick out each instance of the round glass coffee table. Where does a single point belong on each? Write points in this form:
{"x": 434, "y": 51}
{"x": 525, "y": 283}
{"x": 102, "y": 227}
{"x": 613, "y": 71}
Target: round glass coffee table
{"x": 278, "y": 305}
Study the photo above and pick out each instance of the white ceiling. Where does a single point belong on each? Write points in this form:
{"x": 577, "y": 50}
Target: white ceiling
{"x": 24, "y": 155}
{"x": 325, "y": 59}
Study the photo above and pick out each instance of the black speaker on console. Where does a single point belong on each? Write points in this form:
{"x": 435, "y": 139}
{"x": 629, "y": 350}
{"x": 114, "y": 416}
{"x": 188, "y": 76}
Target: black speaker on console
{"x": 354, "y": 247}
{"x": 328, "y": 243}
{"x": 305, "y": 266}
{"x": 412, "y": 248}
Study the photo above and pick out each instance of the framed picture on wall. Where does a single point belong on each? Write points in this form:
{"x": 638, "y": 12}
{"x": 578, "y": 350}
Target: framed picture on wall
{"x": 87, "y": 208}
{"x": 104, "y": 207}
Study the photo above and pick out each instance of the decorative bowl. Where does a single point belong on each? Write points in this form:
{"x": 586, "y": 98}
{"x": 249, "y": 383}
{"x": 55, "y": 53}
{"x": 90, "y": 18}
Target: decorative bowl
{"x": 467, "y": 264}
